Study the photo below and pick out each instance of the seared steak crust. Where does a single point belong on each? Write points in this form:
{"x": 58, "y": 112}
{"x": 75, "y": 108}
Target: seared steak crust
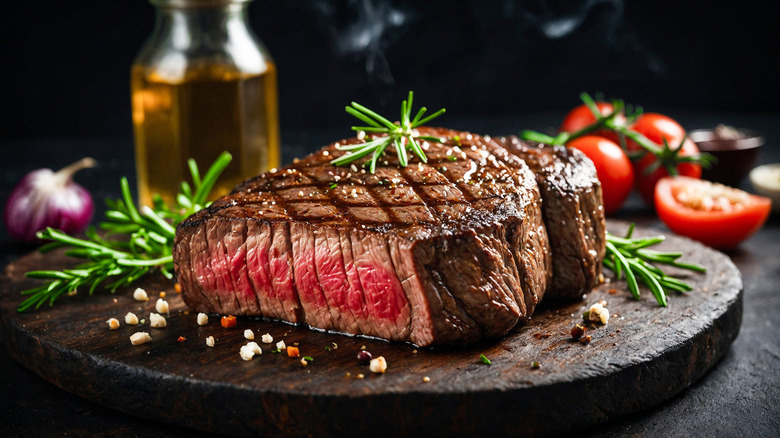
{"x": 448, "y": 251}
{"x": 573, "y": 212}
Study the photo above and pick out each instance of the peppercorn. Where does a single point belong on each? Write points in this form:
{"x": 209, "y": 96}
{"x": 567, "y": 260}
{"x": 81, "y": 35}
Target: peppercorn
{"x": 364, "y": 357}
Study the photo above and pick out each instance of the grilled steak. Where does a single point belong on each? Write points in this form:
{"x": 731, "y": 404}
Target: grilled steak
{"x": 573, "y": 212}
{"x": 450, "y": 251}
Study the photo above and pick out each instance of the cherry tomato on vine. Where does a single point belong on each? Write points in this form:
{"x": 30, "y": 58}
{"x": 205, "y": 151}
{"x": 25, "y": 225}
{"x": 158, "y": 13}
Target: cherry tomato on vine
{"x": 612, "y": 166}
{"x": 657, "y": 128}
{"x": 582, "y": 116}
{"x": 714, "y": 214}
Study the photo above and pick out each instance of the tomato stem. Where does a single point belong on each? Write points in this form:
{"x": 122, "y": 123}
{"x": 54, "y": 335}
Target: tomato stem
{"x": 665, "y": 156}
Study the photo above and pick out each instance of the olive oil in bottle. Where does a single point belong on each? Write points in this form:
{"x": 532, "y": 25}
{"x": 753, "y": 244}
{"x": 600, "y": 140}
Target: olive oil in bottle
{"x": 198, "y": 96}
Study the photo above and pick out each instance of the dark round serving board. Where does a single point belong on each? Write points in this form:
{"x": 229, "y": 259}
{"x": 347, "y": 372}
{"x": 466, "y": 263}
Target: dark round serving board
{"x": 646, "y": 354}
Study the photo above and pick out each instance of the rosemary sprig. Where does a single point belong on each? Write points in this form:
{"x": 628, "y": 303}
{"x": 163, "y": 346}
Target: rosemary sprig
{"x": 667, "y": 156}
{"x": 399, "y": 134}
{"x": 145, "y": 243}
{"x": 630, "y": 257}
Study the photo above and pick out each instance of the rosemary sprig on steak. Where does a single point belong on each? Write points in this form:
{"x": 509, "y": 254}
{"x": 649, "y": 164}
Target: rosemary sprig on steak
{"x": 630, "y": 257}
{"x": 399, "y": 134}
{"x": 146, "y": 238}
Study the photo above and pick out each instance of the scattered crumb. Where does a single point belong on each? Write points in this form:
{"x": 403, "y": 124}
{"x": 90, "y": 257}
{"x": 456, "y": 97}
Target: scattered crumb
{"x": 115, "y": 300}
{"x": 585, "y": 339}
{"x": 162, "y": 294}
{"x": 535, "y": 365}
{"x": 162, "y": 306}
{"x": 360, "y": 376}
{"x": 304, "y": 362}
{"x": 426, "y": 379}
{"x": 577, "y": 332}
{"x": 181, "y": 339}
{"x": 140, "y": 295}
{"x": 246, "y": 353}
{"x": 254, "y": 347}
{"x": 598, "y": 312}
{"x": 113, "y": 323}
{"x": 177, "y": 288}
{"x": 203, "y": 319}
{"x": 139, "y": 338}
{"x": 131, "y": 319}
{"x": 157, "y": 321}
{"x": 378, "y": 365}
{"x": 210, "y": 341}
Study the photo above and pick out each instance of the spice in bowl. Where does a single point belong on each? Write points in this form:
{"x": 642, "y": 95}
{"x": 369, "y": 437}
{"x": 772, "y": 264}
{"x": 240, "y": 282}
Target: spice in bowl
{"x": 735, "y": 149}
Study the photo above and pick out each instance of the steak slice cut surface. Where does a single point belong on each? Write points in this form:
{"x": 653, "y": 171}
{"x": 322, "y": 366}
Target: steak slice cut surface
{"x": 573, "y": 213}
{"x": 449, "y": 251}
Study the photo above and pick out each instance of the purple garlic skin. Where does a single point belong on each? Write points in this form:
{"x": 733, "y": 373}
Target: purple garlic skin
{"x": 49, "y": 199}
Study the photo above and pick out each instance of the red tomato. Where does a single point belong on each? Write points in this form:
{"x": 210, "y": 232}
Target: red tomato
{"x": 656, "y": 128}
{"x": 581, "y": 116}
{"x": 612, "y": 166}
{"x": 714, "y": 214}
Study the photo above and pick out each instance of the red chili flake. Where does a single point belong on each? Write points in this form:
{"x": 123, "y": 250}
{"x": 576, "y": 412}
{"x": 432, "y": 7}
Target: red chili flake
{"x": 585, "y": 339}
{"x": 612, "y": 291}
{"x": 228, "y": 321}
{"x": 181, "y": 339}
{"x": 293, "y": 351}
{"x": 177, "y": 288}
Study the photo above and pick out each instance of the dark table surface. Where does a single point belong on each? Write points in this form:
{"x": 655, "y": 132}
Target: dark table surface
{"x": 740, "y": 396}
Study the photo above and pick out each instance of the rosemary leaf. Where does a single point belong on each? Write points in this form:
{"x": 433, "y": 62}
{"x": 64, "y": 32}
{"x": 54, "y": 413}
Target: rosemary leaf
{"x": 400, "y": 135}
{"x": 629, "y": 256}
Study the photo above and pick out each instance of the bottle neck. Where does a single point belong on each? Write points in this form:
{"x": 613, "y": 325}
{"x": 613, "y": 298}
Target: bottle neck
{"x": 194, "y": 37}
{"x": 202, "y": 27}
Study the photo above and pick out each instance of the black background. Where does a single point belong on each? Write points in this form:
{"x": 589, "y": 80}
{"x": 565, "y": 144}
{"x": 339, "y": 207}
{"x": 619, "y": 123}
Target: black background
{"x": 65, "y": 64}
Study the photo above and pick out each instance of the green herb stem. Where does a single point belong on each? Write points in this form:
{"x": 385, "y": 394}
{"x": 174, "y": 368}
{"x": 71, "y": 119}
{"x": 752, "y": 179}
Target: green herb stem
{"x": 629, "y": 257}
{"x": 143, "y": 244}
{"x": 667, "y": 156}
{"x": 400, "y": 135}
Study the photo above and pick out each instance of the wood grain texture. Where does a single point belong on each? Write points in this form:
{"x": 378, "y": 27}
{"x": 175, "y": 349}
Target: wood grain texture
{"x": 645, "y": 355}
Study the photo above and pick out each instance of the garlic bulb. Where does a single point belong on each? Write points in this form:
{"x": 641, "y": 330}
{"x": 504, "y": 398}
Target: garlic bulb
{"x": 49, "y": 199}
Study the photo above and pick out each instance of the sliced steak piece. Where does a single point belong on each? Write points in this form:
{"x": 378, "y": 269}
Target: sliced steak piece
{"x": 451, "y": 251}
{"x": 573, "y": 213}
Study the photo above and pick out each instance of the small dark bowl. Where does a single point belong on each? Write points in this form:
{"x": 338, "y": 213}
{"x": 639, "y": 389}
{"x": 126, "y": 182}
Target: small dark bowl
{"x": 735, "y": 156}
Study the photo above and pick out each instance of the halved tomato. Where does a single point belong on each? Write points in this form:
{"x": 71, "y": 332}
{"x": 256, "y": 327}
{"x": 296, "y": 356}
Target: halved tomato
{"x": 714, "y": 214}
